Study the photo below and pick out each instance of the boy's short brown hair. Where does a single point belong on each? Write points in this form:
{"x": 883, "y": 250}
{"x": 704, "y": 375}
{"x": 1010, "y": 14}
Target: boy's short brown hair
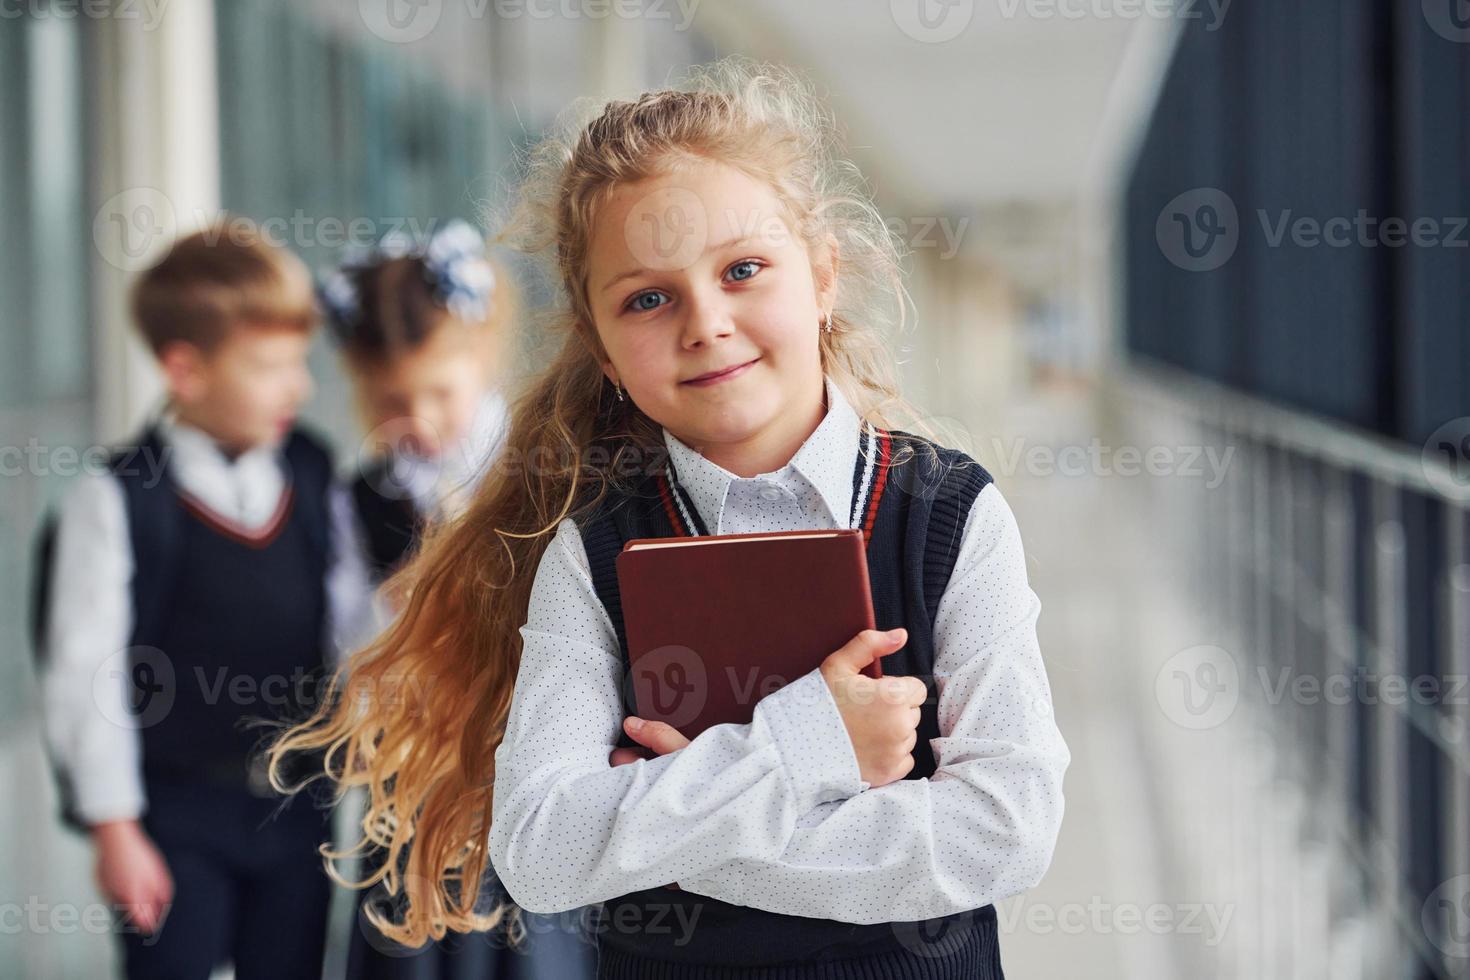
{"x": 219, "y": 279}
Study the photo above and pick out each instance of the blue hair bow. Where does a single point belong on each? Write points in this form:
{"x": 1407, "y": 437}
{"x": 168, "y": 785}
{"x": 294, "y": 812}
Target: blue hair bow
{"x": 456, "y": 270}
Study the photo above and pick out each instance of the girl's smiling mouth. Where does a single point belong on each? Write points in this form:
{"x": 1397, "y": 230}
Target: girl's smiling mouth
{"x": 715, "y": 377}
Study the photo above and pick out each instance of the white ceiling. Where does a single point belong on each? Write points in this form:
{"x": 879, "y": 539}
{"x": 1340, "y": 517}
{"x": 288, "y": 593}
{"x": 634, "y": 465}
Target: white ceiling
{"x": 1010, "y": 110}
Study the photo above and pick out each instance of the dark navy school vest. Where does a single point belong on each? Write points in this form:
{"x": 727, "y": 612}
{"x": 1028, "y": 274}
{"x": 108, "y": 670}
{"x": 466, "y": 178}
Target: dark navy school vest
{"x": 236, "y": 619}
{"x": 262, "y": 607}
{"x": 911, "y": 504}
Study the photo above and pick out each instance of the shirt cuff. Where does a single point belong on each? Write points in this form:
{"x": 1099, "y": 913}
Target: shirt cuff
{"x": 812, "y": 741}
{"x": 96, "y": 809}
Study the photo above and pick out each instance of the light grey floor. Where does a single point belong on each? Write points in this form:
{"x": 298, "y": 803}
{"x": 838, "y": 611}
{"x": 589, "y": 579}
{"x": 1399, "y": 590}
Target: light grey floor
{"x": 1075, "y": 529}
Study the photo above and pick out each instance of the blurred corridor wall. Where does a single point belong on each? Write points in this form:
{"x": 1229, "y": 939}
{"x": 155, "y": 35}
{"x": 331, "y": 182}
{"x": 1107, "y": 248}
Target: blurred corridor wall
{"x": 1296, "y": 292}
{"x": 1297, "y": 213}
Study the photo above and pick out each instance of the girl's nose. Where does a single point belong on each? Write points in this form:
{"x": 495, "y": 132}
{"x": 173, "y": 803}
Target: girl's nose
{"x": 705, "y": 318}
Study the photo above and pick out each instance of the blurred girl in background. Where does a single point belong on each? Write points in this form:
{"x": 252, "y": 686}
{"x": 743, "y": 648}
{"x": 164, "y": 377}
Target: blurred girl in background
{"x": 425, "y": 332}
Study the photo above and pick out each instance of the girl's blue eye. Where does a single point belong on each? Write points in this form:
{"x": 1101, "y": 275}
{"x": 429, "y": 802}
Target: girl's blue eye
{"x": 748, "y": 263}
{"x": 638, "y": 305}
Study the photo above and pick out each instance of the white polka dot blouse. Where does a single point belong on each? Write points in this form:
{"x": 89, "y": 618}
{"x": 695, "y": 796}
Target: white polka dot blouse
{"x": 773, "y": 814}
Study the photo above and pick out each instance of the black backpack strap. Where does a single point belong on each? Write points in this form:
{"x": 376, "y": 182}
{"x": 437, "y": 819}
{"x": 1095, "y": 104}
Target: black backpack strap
{"x": 309, "y": 473}
{"x": 618, "y": 519}
{"x": 43, "y": 558}
{"x": 603, "y": 541}
{"x": 155, "y": 529}
{"x": 390, "y": 523}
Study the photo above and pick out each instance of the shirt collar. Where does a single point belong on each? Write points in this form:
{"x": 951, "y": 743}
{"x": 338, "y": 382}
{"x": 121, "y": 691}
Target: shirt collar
{"x": 825, "y": 460}
{"x": 198, "y": 450}
{"x": 246, "y": 488}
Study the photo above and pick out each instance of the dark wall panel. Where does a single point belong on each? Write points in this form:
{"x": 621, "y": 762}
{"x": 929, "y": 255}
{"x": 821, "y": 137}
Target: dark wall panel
{"x": 1316, "y": 121}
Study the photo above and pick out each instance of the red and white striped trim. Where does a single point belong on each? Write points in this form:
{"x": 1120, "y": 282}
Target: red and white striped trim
{"x": 260, "y": 537}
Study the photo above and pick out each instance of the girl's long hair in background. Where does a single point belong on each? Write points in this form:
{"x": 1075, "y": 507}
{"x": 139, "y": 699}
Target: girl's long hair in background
{"x": 415, "y": 717}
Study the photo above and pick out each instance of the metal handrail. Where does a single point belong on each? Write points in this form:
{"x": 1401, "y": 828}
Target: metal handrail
{"x": 1292, "y": 428}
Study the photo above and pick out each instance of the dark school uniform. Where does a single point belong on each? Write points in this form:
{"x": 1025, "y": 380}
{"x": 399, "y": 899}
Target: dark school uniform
{"x": 911, "y": 514}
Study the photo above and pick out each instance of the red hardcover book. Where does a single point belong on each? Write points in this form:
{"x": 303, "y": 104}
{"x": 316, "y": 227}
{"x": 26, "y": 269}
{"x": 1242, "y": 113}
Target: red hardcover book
{"x": 717, "y": 622}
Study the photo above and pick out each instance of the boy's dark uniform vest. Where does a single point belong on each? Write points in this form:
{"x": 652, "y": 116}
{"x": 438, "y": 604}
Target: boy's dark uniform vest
{"x": 912, "y": 509}
{"x": 227, "y": 627}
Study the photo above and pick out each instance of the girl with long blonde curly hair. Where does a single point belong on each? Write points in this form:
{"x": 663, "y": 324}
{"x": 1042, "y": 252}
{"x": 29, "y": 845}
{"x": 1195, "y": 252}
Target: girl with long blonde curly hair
{"x": 721, "y": 363}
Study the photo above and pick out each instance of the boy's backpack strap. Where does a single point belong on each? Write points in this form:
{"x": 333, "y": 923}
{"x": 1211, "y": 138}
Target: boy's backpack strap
{"x": 43, "y": 558}
{"x": 149, "y": 502}
{"x": 42, "y": 566}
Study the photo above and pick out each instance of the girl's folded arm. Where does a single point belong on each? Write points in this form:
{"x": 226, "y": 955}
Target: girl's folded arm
{"x": 569, "y": 829}
{"x": 984, "y": 826}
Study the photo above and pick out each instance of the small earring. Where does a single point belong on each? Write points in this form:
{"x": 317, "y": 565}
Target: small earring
{"x": 827, "y": 327}
{"x": 619, "y": 389}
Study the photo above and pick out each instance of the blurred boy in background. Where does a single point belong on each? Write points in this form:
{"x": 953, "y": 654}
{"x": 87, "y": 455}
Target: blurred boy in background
{"x": 187, "y": 594}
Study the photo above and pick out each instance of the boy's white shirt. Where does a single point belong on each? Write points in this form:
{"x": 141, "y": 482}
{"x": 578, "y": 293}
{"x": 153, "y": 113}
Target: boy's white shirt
{"x": 87, "y": 723}
{"x": 773, "y": 814}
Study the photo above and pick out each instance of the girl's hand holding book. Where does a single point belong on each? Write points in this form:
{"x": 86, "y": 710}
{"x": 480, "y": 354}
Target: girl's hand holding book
{"x": 882, "y": 714}
{"x": 657, "y": 739}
